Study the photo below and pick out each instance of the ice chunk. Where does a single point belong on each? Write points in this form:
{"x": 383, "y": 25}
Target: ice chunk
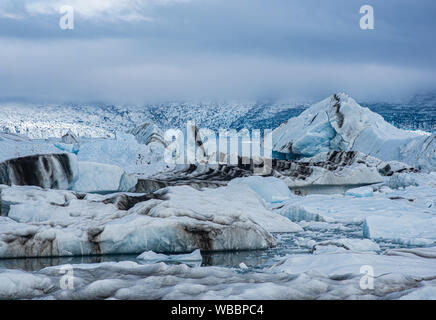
{"x": 243, "y": 266}
{"x": 362, "y": 192}
{"x": 98, "y": 177}
{"x": 157, "y": 257}
{"x": 405, "y": 227}
{"x": 330, "y": 172}
{"x": 270, "y": 189}
{"x": 343, "y": 245}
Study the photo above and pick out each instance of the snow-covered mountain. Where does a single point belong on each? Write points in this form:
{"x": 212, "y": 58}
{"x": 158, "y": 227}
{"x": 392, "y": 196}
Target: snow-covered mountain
{"x": 340, "y": 123}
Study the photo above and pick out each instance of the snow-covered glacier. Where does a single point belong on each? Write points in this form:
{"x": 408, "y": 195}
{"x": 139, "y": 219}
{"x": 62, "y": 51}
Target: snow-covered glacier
{"x": 340, "y": 123}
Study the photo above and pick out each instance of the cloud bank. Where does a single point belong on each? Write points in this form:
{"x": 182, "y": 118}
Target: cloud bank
{"x": 133, "y": 51}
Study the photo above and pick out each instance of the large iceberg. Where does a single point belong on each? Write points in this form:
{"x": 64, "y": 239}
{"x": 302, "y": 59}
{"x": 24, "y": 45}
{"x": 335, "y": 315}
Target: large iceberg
{"x": 38, "y": 222}
{"x": 340, "y": 123}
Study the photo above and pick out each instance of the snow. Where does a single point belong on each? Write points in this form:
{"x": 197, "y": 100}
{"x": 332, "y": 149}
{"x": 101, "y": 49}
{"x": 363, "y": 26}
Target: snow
{"x": 340, "y": 123}
{"x": 328, "y": 276}
{"x": 429, "y": 252}
{"x": 11, "y": 149}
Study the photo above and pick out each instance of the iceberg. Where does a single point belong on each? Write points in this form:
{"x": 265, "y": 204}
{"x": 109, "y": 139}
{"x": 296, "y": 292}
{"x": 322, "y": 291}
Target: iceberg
{"x": 98, "y": 177}
{"x": 362, "y": 192}
{"x": 54, "y": 171}
{"x": 125, "y": 152}
{"x": 41, "y": 222}
{"x": 339, "y": 123}
{"x": 344, "y": 245}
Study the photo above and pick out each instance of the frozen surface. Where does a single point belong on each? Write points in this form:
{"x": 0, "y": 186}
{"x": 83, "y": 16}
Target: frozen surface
{"x": 329, "y": 276}
{"x": 123, "y": 151}
{"x": 405, "y": 216}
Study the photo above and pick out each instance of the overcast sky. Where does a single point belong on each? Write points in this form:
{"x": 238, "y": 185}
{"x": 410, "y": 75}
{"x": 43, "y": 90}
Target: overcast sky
{"x": 137, "y": 51}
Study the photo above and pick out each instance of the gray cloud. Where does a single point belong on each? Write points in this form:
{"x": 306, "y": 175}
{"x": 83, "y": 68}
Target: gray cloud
{"x": 214, "y": 49}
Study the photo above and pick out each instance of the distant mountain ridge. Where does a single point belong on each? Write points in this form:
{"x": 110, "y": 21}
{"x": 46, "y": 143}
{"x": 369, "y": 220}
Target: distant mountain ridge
{"x": 41, "y": 121}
